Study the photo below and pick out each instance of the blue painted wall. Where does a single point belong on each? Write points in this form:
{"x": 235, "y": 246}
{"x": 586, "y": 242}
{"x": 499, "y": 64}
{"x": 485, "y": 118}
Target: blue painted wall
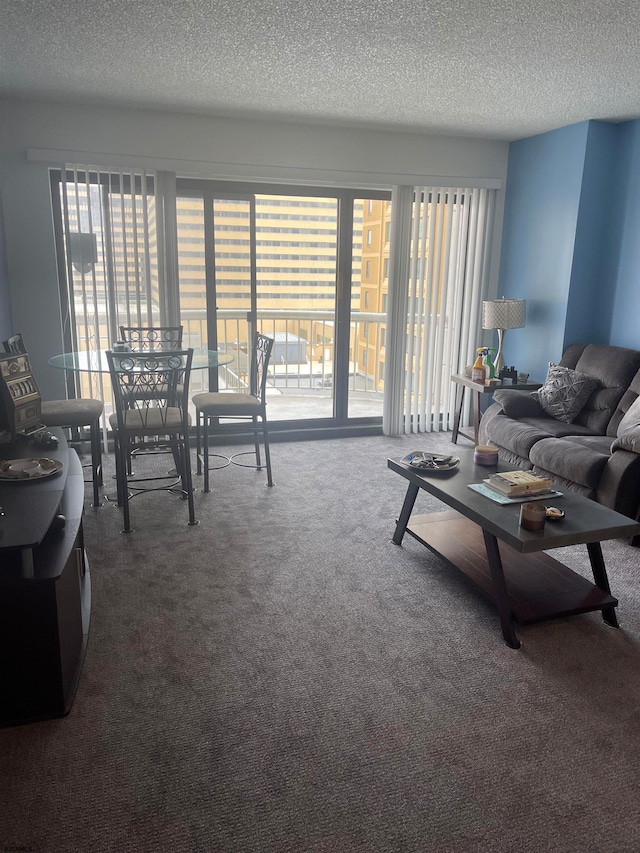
{"x": 542, "y": 203}
{"x": 625, "y": 328}
{"x": 593, "y": 272}
{"x": 571, "y": 240}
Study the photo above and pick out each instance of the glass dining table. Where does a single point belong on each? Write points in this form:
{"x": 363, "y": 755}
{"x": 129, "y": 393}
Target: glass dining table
{"x": 95, "y": 361}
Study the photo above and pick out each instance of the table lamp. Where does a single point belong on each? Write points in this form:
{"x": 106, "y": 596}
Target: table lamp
{"x": 502, "y": 314}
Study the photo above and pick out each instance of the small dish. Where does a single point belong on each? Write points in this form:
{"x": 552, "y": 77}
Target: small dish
{"x": 430, "y": 463}
{"x": 554, "y": 514}
{"x": 28, "y": 470}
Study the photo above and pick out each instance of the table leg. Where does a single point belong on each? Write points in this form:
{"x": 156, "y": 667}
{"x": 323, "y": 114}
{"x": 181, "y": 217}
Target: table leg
{"x": 458, "y": 413}
{"x": 405, "y": 513}
{"x": 476, "y": 414}
{"x": 500, "y": 590}
{"x": 601, "y": 579}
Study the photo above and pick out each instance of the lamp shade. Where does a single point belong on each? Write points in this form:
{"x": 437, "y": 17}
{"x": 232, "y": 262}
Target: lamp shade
{"x": 503, "y": 314}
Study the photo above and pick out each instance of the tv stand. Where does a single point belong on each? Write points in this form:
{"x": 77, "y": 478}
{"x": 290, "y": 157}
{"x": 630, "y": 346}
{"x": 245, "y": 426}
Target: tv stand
{"x": 45, "y": 588}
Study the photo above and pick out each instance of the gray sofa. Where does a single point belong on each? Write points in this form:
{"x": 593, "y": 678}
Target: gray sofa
{"x": 597, "y": 451}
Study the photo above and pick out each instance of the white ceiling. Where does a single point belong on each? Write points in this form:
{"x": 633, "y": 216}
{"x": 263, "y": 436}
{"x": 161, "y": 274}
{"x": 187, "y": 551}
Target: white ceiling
{"x": 502, "y": 69}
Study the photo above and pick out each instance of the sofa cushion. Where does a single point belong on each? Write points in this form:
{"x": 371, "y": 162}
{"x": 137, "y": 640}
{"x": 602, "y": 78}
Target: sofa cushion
{"x": 517, "y": 404}
{"x": 596, "y": 443}
{"x": 516, "y": 436}
{"x": 616, "y": 368}
{"x": 569, "y": 461}
{"x": 565, "y": 392}
{"x": 519, "y": 435}
{"x": 559, "y": 429}
{"x": 571, "y": 355}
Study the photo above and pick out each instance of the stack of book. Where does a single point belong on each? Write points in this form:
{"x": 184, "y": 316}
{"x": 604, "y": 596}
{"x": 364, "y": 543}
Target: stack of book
{"x": 519, "y": 484}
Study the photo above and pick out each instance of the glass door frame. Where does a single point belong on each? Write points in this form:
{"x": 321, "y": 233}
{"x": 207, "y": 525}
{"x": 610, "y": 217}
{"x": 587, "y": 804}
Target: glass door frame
{"x": 210, "y": 189}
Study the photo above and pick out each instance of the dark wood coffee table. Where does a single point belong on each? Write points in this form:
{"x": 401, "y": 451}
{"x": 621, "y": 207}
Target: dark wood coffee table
{"x": 506, "y": 562}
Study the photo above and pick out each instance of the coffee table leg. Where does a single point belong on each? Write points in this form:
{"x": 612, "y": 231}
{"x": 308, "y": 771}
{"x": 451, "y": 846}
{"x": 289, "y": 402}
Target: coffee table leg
{"x": 405, "y": 514}
{"x": 500, "y": 590}
{"x": 601, "y": 579}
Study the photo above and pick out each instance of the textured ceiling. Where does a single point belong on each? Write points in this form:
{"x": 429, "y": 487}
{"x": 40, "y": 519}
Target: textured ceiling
{"x": 493, "y": 68}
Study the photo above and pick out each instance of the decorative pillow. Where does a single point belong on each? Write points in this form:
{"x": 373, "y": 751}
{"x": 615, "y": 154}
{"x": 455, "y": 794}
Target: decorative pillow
{"x": 631, "y": 418}
{"x": 629, "y": 440}
{"x": 629, "y": 430}
{"x": 564, "y": 392}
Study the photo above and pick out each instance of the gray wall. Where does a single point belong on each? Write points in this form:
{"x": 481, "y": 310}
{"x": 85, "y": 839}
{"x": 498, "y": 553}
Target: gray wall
{"x": 6, "y": 324}
{"x": 39, "y": 135}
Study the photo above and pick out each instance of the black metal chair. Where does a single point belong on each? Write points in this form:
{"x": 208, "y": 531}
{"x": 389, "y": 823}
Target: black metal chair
{"x": 147, "y": 338}
{"x": 74, "y": 414}
{"x": 150, "y": 391}
{"x": 151, "y": 339}
{"x": 211, "y": 407}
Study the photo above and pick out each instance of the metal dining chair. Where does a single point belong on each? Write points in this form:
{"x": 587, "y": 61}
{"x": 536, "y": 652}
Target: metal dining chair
{"x": 150, "y": 392}
{"x": 150, "y": 339}
{"x": 213, "y": 409}
{"x": 73, "y": 414}
{"x": 146, "y": 338}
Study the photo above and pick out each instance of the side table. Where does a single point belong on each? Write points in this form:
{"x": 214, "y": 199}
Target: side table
{"x": 477, "y": 389}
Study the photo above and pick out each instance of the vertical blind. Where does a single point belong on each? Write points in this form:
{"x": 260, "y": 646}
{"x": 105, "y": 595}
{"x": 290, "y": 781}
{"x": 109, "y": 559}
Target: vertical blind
{"x": 120, "y": 240}
{"x": 438, "y": 273}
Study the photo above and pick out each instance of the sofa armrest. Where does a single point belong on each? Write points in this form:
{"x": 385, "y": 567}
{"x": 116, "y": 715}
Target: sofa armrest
{"x": 518, "y": 404}
{"x": 619, "y": 486}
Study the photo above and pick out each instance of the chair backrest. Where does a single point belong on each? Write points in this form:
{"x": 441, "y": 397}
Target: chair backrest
{"x": 262, "y": 346}
{"x": 14, "y": 344}
{"x": 149, "y": 387}
{"x": 151, "y": 338}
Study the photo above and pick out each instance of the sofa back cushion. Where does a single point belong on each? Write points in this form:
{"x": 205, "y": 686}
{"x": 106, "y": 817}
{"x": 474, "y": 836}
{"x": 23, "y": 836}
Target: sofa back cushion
{"x": 615, "y": 368}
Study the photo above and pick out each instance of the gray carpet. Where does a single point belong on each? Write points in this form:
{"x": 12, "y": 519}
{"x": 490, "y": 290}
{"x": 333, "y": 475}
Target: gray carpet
{"x": 283, "y": 678}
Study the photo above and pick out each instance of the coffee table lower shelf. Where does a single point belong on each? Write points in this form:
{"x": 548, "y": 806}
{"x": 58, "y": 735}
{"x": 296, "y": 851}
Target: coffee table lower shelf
{"x": 538, "y": 586}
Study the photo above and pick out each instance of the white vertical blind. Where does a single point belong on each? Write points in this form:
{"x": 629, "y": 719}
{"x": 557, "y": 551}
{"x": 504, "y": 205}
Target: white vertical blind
{"x": 438, "y": 273}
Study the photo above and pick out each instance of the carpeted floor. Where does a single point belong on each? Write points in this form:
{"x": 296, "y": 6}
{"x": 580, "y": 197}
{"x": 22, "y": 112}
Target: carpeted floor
{"x": 283, "y": 678}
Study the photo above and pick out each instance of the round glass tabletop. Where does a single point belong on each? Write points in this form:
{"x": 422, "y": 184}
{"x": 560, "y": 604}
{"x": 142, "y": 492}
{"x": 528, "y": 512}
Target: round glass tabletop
{"x": 96, "y": 361}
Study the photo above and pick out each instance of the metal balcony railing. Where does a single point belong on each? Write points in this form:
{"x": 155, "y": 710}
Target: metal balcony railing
{"x": 302, "y": 365}
{"x": 302, "y": 362}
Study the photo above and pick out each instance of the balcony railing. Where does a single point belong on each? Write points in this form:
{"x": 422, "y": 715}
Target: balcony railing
{"x": 301, "y": 371}
{"x": 302, "y": 362}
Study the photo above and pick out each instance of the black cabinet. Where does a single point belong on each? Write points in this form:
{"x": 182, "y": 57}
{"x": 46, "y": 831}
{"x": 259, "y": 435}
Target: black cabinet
{"x": 45, "y": 592}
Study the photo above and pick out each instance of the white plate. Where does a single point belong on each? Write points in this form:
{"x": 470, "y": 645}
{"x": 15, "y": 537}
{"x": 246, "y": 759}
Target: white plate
{"x": 431, "y": 463}
{"x": 28, "y": 470}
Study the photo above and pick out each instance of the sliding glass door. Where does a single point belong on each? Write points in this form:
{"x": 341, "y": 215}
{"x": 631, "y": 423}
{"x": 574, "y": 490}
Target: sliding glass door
{"x": 287, "y": 262}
